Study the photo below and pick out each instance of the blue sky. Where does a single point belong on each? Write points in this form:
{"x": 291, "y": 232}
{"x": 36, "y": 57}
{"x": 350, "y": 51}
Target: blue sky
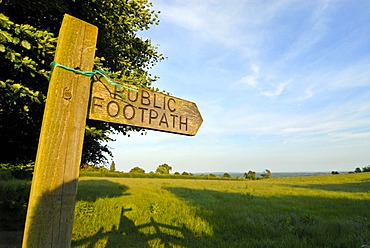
{"x": 281, "y": 85}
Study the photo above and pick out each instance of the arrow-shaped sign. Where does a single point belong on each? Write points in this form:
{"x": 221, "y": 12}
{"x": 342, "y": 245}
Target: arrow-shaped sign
{"x": 130, "y": 105}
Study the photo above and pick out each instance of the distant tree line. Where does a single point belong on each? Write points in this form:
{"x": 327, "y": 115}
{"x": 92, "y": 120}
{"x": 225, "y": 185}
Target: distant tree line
{"x": 252, "y": 175}
{"x": 364, "y": 169}
{"x": 164, "y": 170}
{"x": 357, "y": 170}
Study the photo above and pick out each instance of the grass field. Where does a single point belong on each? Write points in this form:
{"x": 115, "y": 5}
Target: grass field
{"x": 316, "y": 211}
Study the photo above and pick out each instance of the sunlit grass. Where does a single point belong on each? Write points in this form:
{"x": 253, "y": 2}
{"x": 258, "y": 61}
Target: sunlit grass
{"x": 322, "y": 211}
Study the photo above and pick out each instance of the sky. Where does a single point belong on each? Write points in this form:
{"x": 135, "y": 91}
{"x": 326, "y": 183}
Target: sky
{"x": 282, "y": 85}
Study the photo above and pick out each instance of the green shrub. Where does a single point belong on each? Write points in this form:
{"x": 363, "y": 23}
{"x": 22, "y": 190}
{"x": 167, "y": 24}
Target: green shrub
{"x": 14, "y": 195}
{"x": 5, "y": 174}
{"x": 226, "y": 175}
{"x": 18, "y": 171}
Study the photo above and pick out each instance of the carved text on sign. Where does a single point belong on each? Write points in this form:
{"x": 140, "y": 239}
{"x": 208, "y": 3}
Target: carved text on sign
{"x": 143, "y": 108}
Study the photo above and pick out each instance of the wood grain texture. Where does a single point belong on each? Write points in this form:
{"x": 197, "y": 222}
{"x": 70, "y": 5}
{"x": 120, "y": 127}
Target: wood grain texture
{"x": 143, "y": 108}
{"x": 54, "y": 184}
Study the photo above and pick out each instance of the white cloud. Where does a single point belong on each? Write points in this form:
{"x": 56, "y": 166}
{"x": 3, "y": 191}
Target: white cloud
{"x": 255, "y": 68}
{"x": 311, "y": 33}
{"x": 352, "y": 76}
{"x": 242, "y": 25}
{"x": 275, "y": 92}
{"x": 308, "y": 95}
{"x": 211, "y": 20}
{"x": 260, "y": 83}
{"x": 251, "y": 80}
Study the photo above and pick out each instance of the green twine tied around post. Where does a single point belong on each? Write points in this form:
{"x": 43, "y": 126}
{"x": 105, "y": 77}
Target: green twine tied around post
{"x": 102, "y": 73}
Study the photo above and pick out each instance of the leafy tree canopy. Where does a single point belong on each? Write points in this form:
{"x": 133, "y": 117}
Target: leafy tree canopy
{"x": 266, "y": 174}
{"x": 211, "y": 175}
{"x": 358, "y": 170}
{"x": 137, "y": 170}
{"x": 112, "y": 167}
{"x": 250, "y": 175}
{"x": 28, "y": 31}
{"x": 186, "y": 173}
{"x": 226, "y": 175}
{"x": 163, "y": 169}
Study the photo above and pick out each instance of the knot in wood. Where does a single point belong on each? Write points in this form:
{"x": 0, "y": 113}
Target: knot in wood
{"x": 67, "y": 94}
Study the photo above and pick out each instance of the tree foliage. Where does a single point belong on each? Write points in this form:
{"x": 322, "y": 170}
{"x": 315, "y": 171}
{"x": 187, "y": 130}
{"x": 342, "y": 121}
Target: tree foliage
{"x": 137, "y": 170}
{"x": 266, "y": 174}
{"x": 28, "y": 31}
{"x": 226, "y": 175}
{"x": 112, "y": 167}
{"x": 163, "y": 169}
{"x": 364, "y": 169}
{"x": 25, "y": 55}
{"x": 250, "y": 175}
{"x": 211, "y": 175}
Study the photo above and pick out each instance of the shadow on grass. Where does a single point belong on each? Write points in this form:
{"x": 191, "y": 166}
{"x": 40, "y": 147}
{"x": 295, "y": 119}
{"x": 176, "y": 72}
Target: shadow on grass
{"x": 51, "y": 217}
{"x": 245, "y": 220}
{"x": 127, "y": 233}
{"x": 91, "y": 190}
{"x": 118, "y": 236}
{"x": 358, "y": 187}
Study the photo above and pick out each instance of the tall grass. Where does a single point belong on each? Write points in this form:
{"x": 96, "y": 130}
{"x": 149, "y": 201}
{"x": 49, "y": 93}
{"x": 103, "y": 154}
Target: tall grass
{"x": 320, "y": 211}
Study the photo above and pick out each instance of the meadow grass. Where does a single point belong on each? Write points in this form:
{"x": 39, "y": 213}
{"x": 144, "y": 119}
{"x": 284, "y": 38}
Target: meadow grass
{"x": 314, "y": 211}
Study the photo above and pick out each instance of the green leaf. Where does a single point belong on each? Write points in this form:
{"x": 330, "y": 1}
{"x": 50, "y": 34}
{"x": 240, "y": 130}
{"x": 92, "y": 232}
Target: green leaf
{"x": 26, "y": 44}
{"x": 5, "y": 36}
{"x": 2, "y": 48}
{"x": 16, "y": 40}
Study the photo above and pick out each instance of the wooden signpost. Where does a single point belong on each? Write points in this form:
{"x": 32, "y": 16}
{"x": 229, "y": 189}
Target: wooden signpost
{"x": 54, "y": 185}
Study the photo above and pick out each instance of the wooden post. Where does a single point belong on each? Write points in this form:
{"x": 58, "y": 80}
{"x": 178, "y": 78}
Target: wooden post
{"x": 54, "y": 184}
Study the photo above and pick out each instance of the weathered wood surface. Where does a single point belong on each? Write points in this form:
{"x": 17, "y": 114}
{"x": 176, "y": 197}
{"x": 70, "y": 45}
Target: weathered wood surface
{"x": 143, "y": 108}
{"x": 54, "y": 184}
